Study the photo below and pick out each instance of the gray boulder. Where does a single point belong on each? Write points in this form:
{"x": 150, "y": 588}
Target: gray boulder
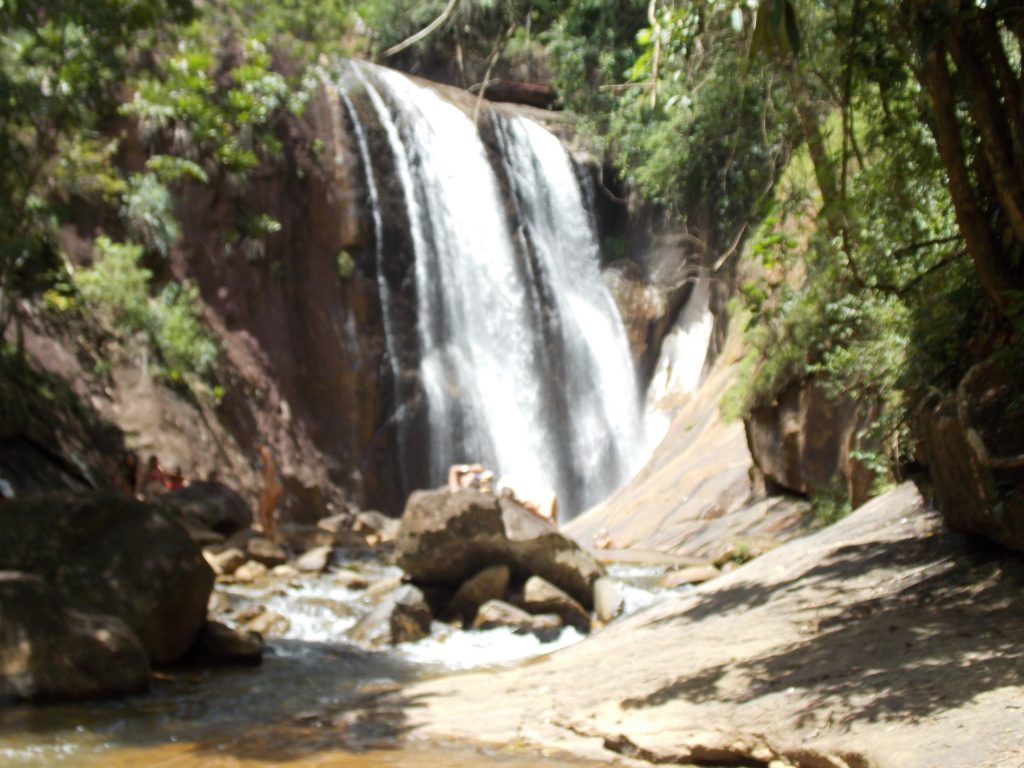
{"x": 115, "y": 555}
{"x": 265, "y": 552}
{"x": 301, "y": 536}
{"x": 374, "y": 522}
{"x": 219, "y": 644}
{"x": 608, "y": 602}
{"x": 445, "y": 537}
{"x": 53, "y": 649}
{"x": 540, "y": 597}
{"x": 227, "y": 562}
{"x": 489, "y": 584}
{"x": 269, "y": 623}
{"x": 211, "y": 504}
{"x": 315, "y": 560}
{"x": 497, "y": 613}
{"x": 403, "y": 616}
{"x": 249, "y": 572}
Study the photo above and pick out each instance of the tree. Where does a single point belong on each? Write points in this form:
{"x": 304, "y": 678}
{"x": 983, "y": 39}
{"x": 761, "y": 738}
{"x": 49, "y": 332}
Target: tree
{"x": 978, "y": 106}
{"x": 62, "y": 63}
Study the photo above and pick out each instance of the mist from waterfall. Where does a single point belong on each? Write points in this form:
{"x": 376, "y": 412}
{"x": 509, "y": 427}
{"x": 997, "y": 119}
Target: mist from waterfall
{"x": 523, "y": 359}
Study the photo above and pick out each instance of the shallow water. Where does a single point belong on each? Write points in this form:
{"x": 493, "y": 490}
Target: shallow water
{"x": 317, "y": 699}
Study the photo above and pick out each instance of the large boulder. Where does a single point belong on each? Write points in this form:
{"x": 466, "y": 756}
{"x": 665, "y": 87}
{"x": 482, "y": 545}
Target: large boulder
{"x": 212, "y": 505}
{"x": 116, "y": 555}
{"x": 446, "y": 537}
{"x": 402, "y": 617}
{"x": 608, "y": 601}
{"x": 266, "y": 552}
{"x": 54, "y": 649}
{"x": 496, "y": 613}
{"x": 219, "y": 644}
{"x": 315, "y": 560}
{"x": 490, "y": 584}
{"x": 973, "y": 444}
{"x": 540, "y": 597}
{"x": 805, "y": 441}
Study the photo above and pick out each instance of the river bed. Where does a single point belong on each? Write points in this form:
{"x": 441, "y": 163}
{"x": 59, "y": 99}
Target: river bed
{"x": 318, "y": 699}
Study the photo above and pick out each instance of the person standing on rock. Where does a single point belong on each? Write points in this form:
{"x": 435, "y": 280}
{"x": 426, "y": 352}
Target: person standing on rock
{"x": 270, "y": 495}
{"x": 152, "y": 480}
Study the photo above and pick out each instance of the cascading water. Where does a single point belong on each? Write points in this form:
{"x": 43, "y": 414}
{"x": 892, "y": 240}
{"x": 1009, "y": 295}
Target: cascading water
{"x": 523, "y": 359}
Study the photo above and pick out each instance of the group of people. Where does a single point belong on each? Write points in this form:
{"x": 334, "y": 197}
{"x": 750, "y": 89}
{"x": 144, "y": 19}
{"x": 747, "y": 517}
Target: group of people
{"x": 149, "y": 480}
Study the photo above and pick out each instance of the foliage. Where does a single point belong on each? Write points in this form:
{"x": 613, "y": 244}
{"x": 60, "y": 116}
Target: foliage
{"x": 147, "y": 208}
{"x": 116, "y": 290}
{"x": 116, "y": 286}
{"x": 207, "y": 97}
{"x": 62, "y": 63}
{"x": 346, "y": 265}
{"x": 829, "y": 505}
{"x": 219, "y": 122}
{"x": 182, "y": 340}
{"x": 864, "y": 277}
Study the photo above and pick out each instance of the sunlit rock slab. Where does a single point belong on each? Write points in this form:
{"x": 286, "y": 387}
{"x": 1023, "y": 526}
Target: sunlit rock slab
{"x": 883, "y": 640}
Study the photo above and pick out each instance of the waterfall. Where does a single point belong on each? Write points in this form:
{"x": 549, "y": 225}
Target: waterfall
{"x": 523, "y": 360}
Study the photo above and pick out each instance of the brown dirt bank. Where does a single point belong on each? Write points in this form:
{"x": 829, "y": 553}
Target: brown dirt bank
{"x": 880, "y": 641}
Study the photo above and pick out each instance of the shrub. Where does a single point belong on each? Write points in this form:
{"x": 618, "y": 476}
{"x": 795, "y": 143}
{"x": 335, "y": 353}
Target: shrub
{"x": 116, "y": 289}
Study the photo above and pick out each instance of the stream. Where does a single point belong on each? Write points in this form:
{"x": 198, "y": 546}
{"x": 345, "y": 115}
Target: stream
{"x": 318, "y": 699}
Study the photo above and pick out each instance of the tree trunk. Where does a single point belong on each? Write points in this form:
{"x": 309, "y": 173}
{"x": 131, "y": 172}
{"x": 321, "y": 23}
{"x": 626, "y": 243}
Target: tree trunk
{"x": 824, "y": 167}
{"x": 1009, "y": 87}
{"x": 991, "y": 120}
{"x": 981, "y": 244}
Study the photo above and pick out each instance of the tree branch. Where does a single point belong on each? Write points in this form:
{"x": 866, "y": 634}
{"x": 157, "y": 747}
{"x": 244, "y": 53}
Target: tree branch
{"x": 423, "y": 33}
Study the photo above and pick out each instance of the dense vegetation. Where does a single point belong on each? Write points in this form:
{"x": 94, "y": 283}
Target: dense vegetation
{"x": 868, "y": 153}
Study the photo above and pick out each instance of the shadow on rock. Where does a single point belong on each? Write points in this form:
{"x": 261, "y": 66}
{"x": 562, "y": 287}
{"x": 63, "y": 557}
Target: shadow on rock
{"x": 943, "y": 631}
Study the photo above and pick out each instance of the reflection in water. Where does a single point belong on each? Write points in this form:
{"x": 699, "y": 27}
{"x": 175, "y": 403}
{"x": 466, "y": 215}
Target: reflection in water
{"x": 317, "y": 699}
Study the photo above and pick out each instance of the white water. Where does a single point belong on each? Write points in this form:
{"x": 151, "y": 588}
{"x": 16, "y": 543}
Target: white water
{"x": 524, "y": 361}
{"x": 684, "y": 349}
{"x": 319, "y": 610}
{"x": 600, "y": 385}
{"x": 296, "y": 707}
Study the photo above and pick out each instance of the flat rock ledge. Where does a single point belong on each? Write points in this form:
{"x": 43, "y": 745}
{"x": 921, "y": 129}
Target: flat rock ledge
{"x": 881, "y": 641}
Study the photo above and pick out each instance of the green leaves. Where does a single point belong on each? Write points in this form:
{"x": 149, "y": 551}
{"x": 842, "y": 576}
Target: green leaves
{"x": 116, "y": 289}
{"x": 222, "y": 126}
{"x": 62, "y": 63}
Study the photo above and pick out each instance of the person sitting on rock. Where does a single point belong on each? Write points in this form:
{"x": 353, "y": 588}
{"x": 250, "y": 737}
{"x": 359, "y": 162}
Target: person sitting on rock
{"x": 469, "y": 476}
{"x": 153, "y": 480}
{"x": 270, "y": 495}
{"x": 541, "y": 502}
{"x": 603, "y": 539}
{"x": 130, "y": 479}
{"x": 176, "y": 480}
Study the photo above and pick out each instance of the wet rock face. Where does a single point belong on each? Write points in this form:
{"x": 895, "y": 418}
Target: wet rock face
{"x": 803, "y": 441}
{"x": 446, "y": 537}
{"x": 299, "y": 318}
{"x": 52, "y": 648}
{"x": 117, "y": 556}
{"x": 647, "y": 309}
